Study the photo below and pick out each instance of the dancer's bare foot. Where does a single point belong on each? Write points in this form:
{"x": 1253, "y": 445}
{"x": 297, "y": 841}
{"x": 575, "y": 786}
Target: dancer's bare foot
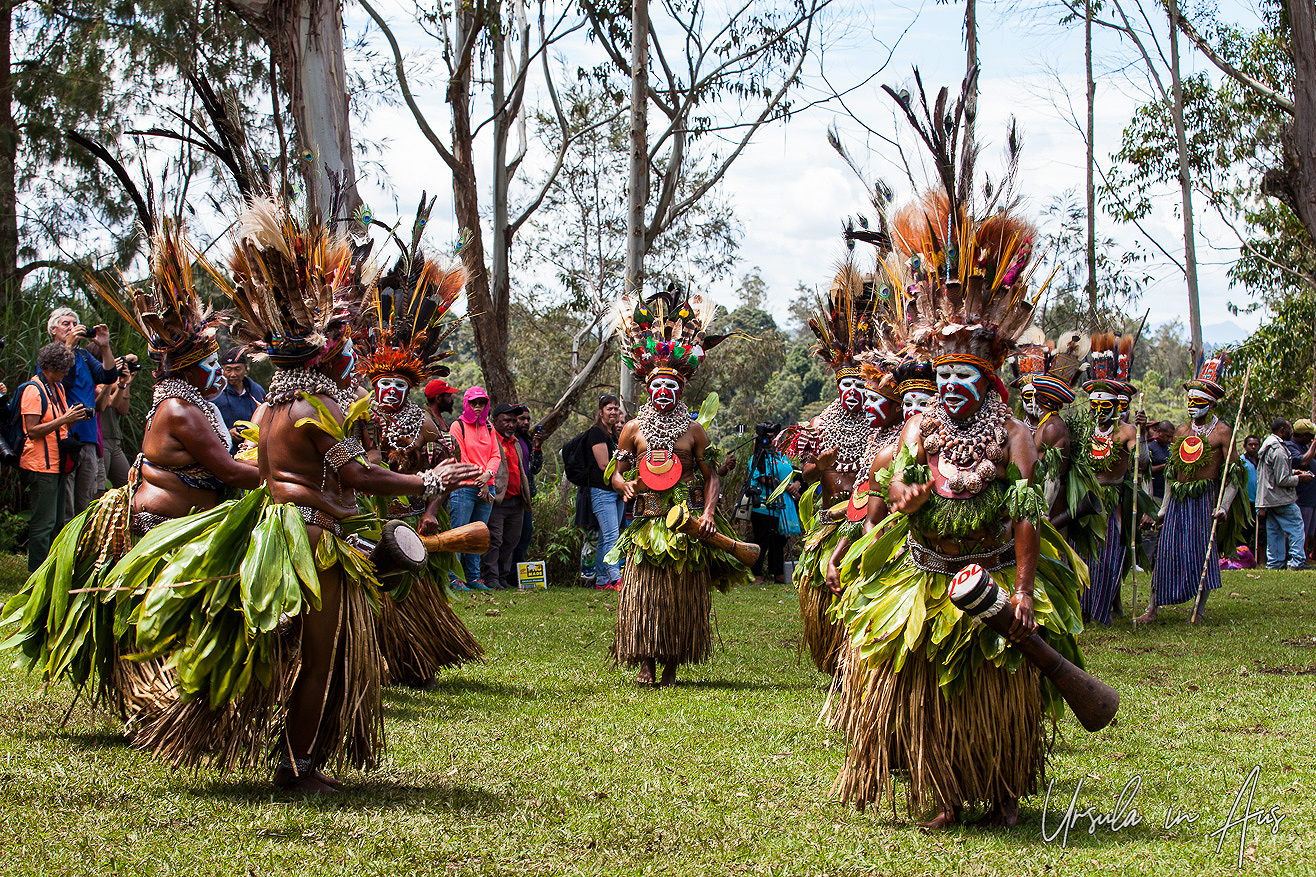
{"x": 1197, "y": 618}
{"x": 1003, "y": 815}
{"x": 669, "y": 675}
{"x": 288, "y": 780}
{"x": 332, "y": 782}
{"x": 1146, "y": 618}
{"x": 942, "y": 821}
{"x": 645, "y": 676}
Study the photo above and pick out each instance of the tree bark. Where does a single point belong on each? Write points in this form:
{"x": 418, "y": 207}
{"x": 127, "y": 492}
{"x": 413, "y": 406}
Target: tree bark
{"x": 637, "y": 189}
{"x": 8, "y": 161}
{"x": 1185, "y": 187}
{"x": 490, "y": 344}
{"x": 306, "y": 39}
{"x": 1091, "y": 159}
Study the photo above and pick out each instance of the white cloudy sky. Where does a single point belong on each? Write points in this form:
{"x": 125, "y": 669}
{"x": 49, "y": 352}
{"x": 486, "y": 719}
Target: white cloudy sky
{"x": 790, "y": 191}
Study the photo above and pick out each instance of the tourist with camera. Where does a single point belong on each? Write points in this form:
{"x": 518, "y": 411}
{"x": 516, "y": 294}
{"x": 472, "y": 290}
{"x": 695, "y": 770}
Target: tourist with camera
{"x": 773, "y": 519}
{"x": 45, "y": 458}
{"x": 80, "y": 381}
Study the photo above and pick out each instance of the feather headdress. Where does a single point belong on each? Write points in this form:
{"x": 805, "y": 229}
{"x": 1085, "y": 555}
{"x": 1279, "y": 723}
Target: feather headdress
{"x": 403, "y": 324}
{"x": 666, "y": 333}
{"x": 177, "y": 324}
{"x": 296, "y": 284}
{"x": 1110, "y": 361}
{"x": 1211, "y": 374}
{"x": 844, "y": 322}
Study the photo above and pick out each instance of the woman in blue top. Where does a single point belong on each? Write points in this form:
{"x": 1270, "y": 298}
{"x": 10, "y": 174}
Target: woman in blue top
{"x": 776, "y": 521}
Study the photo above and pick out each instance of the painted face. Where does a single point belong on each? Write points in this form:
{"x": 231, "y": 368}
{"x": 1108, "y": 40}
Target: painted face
{"x": 876, "y": 407}
{"x": 1123, "y": 405}
{"x": 664, "y": 393}
{"x": 960, "y": 386}
{"x": 213, "y": 373}
{"x": 213, "y": 393}
{"x": 349, "y": 360}
{"x": 391, "y": 392}
{"x": 915, "y": 402}
{"x": 1029, "y": 398}
{"x": 1199, "y": 404}
{"x": 1104, "y": 407}
{"x": 851, "y": 391}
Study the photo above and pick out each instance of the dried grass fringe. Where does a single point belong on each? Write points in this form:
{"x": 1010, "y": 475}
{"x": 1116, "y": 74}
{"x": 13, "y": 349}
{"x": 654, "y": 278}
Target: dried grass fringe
{"x": 247, "y": 733}
{"x": 982, "y": 744}
{"x": 664, "y": 615}
{"x": 422, "y": 635}
{"x": 822, "y": 635}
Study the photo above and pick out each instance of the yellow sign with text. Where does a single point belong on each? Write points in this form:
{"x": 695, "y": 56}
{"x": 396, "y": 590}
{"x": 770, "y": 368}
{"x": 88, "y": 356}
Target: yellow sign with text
{"x": 532, "y": 575}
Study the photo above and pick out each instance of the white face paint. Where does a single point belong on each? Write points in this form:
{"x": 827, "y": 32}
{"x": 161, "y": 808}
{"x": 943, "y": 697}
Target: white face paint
{"x": 851, "y": 391}
{"x": 1029, "y": 398}
{"x": 1104, "y": 406}
{"x": 876, "y": 407}
{"x": 213, "y": 393}
{"x": 915, "y": 402}
{"x": 214, "y": 374}
{"x": 350, "y": 355}
{"x": 961, "y": 387}
{"x": 1199, "y": 404}
{"x": 664, "y": 393}
{"x": 391, "y": 392}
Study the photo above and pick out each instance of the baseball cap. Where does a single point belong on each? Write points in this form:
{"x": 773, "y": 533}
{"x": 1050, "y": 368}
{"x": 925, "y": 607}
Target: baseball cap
{"x": 1304, "y": 427}
{"x": 437, "y": 387}
{"x": 507, "y": 408}
{"x": 233, "y": 355}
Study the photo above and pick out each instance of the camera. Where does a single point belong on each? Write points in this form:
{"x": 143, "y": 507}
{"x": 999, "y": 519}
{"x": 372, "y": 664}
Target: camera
{"x": 87, "y": 413}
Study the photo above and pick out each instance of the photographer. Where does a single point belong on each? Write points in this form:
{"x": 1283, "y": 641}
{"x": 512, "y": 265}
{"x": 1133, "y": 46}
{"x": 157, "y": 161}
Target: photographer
{"x": 47, "y": 417}
{"x": 80, "y": 383}
{"x": 112, "y": 402}
{"x": 776, "y": 521}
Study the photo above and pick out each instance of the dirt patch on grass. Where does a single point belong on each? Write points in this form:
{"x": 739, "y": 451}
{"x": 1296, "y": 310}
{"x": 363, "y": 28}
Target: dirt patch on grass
{"x": 1303, "y": 642}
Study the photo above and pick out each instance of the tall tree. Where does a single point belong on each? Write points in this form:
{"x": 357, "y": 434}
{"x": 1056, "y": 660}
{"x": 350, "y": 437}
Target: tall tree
{"x": 728, "y": 77}
{"x": 467, "y": 33}
{"x": 305, "y": 39}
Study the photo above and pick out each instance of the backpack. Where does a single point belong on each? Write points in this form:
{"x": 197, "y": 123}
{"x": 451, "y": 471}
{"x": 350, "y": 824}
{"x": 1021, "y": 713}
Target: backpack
{"x": 578, "y": 460}
{"x": 13, "y": 434}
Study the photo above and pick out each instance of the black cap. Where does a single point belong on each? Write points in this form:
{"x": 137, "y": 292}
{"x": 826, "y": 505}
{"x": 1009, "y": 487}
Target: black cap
{"x": 233, "y": 355}
{"x": 507, "y": 408}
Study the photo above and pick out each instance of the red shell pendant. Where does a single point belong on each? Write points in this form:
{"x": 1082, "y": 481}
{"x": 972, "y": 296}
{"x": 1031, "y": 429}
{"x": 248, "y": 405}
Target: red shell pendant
{"x": 857, "y": 509}
{"x": 1191, "y": 448}
{"x": 1101, "y": 447}
{"x": 660, "y": 469}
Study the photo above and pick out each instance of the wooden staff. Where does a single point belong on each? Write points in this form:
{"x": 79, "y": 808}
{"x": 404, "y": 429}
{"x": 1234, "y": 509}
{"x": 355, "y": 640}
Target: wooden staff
{"x": 1135, "y": 518}
{"x": 472, "y": 538}
{"x": 1220, "y": 498}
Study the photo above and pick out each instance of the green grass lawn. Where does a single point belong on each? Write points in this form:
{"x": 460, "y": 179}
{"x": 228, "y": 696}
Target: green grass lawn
{"x": 548, "y": 760}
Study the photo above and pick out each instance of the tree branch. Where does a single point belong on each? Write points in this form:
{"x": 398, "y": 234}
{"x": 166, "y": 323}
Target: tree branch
{"x": 1257, "y": 88}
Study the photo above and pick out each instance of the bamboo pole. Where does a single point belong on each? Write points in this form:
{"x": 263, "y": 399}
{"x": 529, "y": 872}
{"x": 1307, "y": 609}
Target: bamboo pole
{"x": 1135, "y": 520}
{"x": 1220, "y": 497}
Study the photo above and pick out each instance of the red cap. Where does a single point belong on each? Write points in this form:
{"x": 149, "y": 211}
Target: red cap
{"x": 437, "y": 387}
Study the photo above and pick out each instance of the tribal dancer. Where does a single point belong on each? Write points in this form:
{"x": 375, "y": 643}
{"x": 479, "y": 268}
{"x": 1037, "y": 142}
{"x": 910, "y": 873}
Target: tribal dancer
{"x": 940, "y": 698}
{"x": 831, "y": 448}
{"x": 663, "y": 609}
{"x": 1113, "y": 448}
{"x": 263, "y": 604}
{"x": 400, "y": 338}
{"x": 917, "y": 384}
{"x": 70, "y": 620}
{"x": 1192, "y": 486}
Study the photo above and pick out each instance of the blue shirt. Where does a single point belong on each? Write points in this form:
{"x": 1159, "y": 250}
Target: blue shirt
{"x": 1251, "y": 479}
{"x": 1306, "y": 489}
{"x": 240, "y": 406}
{"x": 768, "y": 472}
{"x": 80, "y": 388}
{"x": 1159, "y": 455}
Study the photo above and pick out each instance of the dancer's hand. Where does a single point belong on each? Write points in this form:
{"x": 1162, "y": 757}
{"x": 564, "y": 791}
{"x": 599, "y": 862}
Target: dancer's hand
{"x": 826, "y": 460}
{"x": 908, "y": 498}
{"x": 707, "y": 524}
{"x": 628, "y": 489}
{"x": 834, "y": 579}
{"x": 1024, "y": 624}
{"x": 428, "y": 526}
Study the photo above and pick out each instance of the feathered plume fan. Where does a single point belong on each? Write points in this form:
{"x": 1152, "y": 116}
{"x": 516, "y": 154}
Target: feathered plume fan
{"x": 844, "y": 322}
{"x": 170, "y": 314}
{"x": 404, "y": 322}
{"x": 666, "y": 330}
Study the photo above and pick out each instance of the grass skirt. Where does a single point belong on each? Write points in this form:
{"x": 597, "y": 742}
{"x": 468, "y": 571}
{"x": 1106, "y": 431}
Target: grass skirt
{"x": 225, "y": 592}
{"x": 663, "y": 614}
{"x": 421, "y": 634}
{"x": 70, "y": 627}
{"x": 925, "y": 690}
{"x": 821, "y": 633}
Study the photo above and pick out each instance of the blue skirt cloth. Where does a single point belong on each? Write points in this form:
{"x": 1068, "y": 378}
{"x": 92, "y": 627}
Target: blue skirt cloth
{"x": 1183, "y": 550}
{"x": 1106, "y": 570}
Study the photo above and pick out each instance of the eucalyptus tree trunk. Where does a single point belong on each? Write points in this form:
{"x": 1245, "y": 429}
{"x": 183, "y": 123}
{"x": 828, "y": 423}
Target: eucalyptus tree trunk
{"x": 8, "y": 160}
{"x": 306, "y": 40}
{"x": 1185, "y": 185}
{"x": 637, "y": 188}
{"x": 1091, "y": 182}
